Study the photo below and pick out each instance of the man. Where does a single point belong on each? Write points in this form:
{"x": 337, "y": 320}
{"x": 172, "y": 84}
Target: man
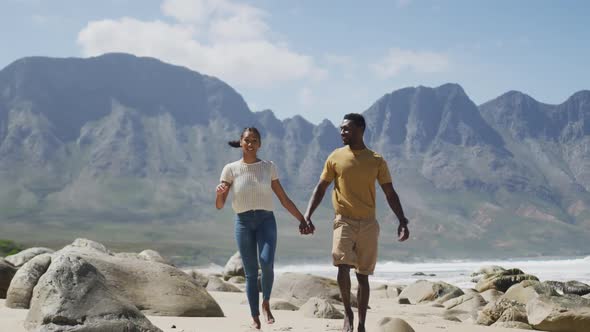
{"x": 354, "y": 170}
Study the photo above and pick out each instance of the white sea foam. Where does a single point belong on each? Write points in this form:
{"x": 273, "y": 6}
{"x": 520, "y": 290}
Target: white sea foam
{"x": 458, "y": 272}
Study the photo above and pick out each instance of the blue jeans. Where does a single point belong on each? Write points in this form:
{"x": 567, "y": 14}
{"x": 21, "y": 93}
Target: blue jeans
{"x": 256, "y": 235}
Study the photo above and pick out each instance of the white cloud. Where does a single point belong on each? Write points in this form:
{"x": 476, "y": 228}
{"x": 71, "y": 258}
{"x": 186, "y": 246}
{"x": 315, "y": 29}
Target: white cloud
{"x": 306, "y": 97}
{"x": 398, "y": 60}
{"x": 215, "y": 37}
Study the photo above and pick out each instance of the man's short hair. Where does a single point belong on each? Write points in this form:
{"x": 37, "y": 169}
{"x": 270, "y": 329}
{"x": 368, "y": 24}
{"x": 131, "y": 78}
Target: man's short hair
{"x": 357, "y": 119}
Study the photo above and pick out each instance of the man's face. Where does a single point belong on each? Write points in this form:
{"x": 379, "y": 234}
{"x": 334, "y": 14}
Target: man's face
{"x": 349, "y": 132}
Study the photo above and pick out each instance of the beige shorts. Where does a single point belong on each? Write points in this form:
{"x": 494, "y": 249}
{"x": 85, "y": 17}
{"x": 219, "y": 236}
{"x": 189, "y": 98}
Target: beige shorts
{"x": 355, "y": 243}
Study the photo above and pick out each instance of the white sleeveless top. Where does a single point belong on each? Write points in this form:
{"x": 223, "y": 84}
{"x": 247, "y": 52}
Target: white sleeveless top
{"x": 250, "y": 184}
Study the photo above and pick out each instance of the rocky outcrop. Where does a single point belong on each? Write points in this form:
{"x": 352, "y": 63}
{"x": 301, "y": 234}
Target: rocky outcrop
{"x": 425, "y": 291}
{"x": 298, "y": 288}
{"x": 26, "y": 255}
{"x": 234, "y": 267}
{"x": 502, "y": 280}
{"x": 21, "y": 288}
{"x": 528, "y": 290}
{"x": 74, "y": 296}
{"x": 320, "y": 308}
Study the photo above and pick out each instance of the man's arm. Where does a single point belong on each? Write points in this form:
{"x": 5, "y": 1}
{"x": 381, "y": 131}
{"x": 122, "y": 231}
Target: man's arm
{"x": 396, "y": 206}
{"x": 316, "y": 198}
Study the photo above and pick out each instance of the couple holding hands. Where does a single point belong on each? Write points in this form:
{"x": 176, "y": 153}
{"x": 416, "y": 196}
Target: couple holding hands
{"x": 353, "y": 169}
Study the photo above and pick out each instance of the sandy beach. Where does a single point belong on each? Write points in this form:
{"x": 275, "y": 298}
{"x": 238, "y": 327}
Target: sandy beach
{"x": 423, "y": 318}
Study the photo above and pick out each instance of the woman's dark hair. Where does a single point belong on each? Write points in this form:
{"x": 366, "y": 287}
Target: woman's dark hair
{"x": 236, "y": 144}
{"x": 357, "y": 119}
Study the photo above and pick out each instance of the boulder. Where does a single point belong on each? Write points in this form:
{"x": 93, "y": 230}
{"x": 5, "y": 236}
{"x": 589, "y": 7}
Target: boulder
{"x": 486, "y": 270}
{"x": 7, "y": 272}
{"x": 234, "y": 267}
{"x": 494, "y": 310}
{"x": 468, "y": 302}
{"x": 237, "y": 280}
{"x": 153, "y": 256}
{"x": 425, "y": 291}
{"x": 19, "y": 259}
{"x": 567, "y": 313}
{"x": 402, "y": 300}
{"x": 491, "y": 295}
{"x": 503, "y": 280}
{"x": 200, "y": 278}
{"x": 218, "y": 285}
{"x": 320, "y": 308}
{"x": 298, "y": 288}
{"x": 278, "y": 304}
{"x": 393, "y": 291}
{"x": 570, "y": 287}
{"x": 74, "y": 296}
{"x": 514, "y": 314}
{"x": 21, "y": 288}
{"x": 528, "y": 290}
{"x": 389, "y": 324}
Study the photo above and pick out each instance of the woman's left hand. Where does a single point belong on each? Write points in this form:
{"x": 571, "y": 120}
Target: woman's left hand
{"x": 306, "y": 227}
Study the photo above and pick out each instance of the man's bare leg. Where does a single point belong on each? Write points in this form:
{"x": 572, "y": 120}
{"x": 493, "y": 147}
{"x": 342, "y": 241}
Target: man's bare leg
{"x": 344, "y": 284}
{"x": 363, "y": 299}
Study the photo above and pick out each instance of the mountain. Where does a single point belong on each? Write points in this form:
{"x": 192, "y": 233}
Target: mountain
{"x": 127, "y": 150}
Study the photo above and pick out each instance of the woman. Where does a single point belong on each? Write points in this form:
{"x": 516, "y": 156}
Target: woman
{"x": 252, "y": 182}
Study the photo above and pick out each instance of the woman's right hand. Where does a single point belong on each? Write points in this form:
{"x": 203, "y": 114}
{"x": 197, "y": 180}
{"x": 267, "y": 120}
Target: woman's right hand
{"x": 222, "y": 188}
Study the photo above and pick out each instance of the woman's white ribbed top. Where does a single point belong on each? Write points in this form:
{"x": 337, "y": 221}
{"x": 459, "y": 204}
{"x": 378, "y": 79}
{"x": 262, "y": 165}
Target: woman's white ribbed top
{"x": 250, "y": 184}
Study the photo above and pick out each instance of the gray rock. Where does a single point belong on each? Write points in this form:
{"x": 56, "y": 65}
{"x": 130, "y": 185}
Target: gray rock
{"x": 278, "y": 304}
{"x": 154, "y": 288}
{"x": 201, "y": 279}
{"x": 393, "y": 291}
{"x": 26, "y": 255}
{"x": 389, "y": 324}
{"x": 21, "y": 288}
{"x": 425, "y": 291}
{"x": 484, "y": 271}
{"x": 218, "y": 285}
{"x": 403, "y": 300}
{"x": 298, "y": 288}
{"x": 570, "y": 287}
{"x": 468, "y": 302}
{"x": 494, "y": 310}
{"x": 234, "y": 267}
{"x": 567, "y": 313}
{"x": 7, "y": 272}
{"x": 503, "y": 280}
{"x": 528, "y": 290}
{"x": 514, "y": 314}
{"x": 320, "y": 308}
{"x": 74, "y": 296}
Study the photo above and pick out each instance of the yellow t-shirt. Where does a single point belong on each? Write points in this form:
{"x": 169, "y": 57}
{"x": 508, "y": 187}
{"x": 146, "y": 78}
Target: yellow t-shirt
{"x": 354, "y": 173}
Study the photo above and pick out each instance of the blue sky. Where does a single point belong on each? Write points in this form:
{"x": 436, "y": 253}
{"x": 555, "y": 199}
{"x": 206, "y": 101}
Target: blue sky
{"x": 322, "y": 59}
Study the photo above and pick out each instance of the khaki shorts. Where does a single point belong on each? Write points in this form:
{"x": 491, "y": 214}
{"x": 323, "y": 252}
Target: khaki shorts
{"x": 355, "y": 243}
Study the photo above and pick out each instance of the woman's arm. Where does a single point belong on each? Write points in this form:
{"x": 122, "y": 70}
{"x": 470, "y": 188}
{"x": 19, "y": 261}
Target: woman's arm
{"x": 221, "y": 191}
{"x": 304, "y": 226}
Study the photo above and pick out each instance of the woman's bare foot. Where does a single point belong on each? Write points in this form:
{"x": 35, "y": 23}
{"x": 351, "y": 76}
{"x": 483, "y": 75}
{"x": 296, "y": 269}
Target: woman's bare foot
{"x": 256, "y": 324}
{"x": 266, "y": 311}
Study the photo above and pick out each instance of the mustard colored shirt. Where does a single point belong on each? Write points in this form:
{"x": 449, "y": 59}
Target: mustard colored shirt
{"x": 354, "y": 173}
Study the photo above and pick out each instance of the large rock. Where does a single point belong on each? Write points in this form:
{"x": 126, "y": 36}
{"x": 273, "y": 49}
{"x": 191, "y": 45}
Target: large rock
{"x": 278, "y": 304}
{"x": 503, "y": 280}
{"x": 486, "y": 270}
{"x": 491, "y": 295}
{"x": 7, "y": 272}
{"x": 21, "y": 288}
{"x": 425, "y": 291}
{"x": 528, "y": 290}
{"x": 567, "y": 313}
{"x": 218, "y": 285}
{"x": 153, "y": 256}
{"x": 512, "y": 325}
{"x": 74, "y": 296}
{"x": 320, "y": 308}
{"x": 234, "y": 267}
{"x": 201, "y": 279}
{"x": 389, "y": 324}
{"x": 26, "y": 255}
{"x": 298, "y": 288}
{"x": 494, "y": 310}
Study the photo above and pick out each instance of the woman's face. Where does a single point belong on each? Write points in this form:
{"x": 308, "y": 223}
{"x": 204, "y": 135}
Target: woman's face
{"x": 250, "y": 142}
